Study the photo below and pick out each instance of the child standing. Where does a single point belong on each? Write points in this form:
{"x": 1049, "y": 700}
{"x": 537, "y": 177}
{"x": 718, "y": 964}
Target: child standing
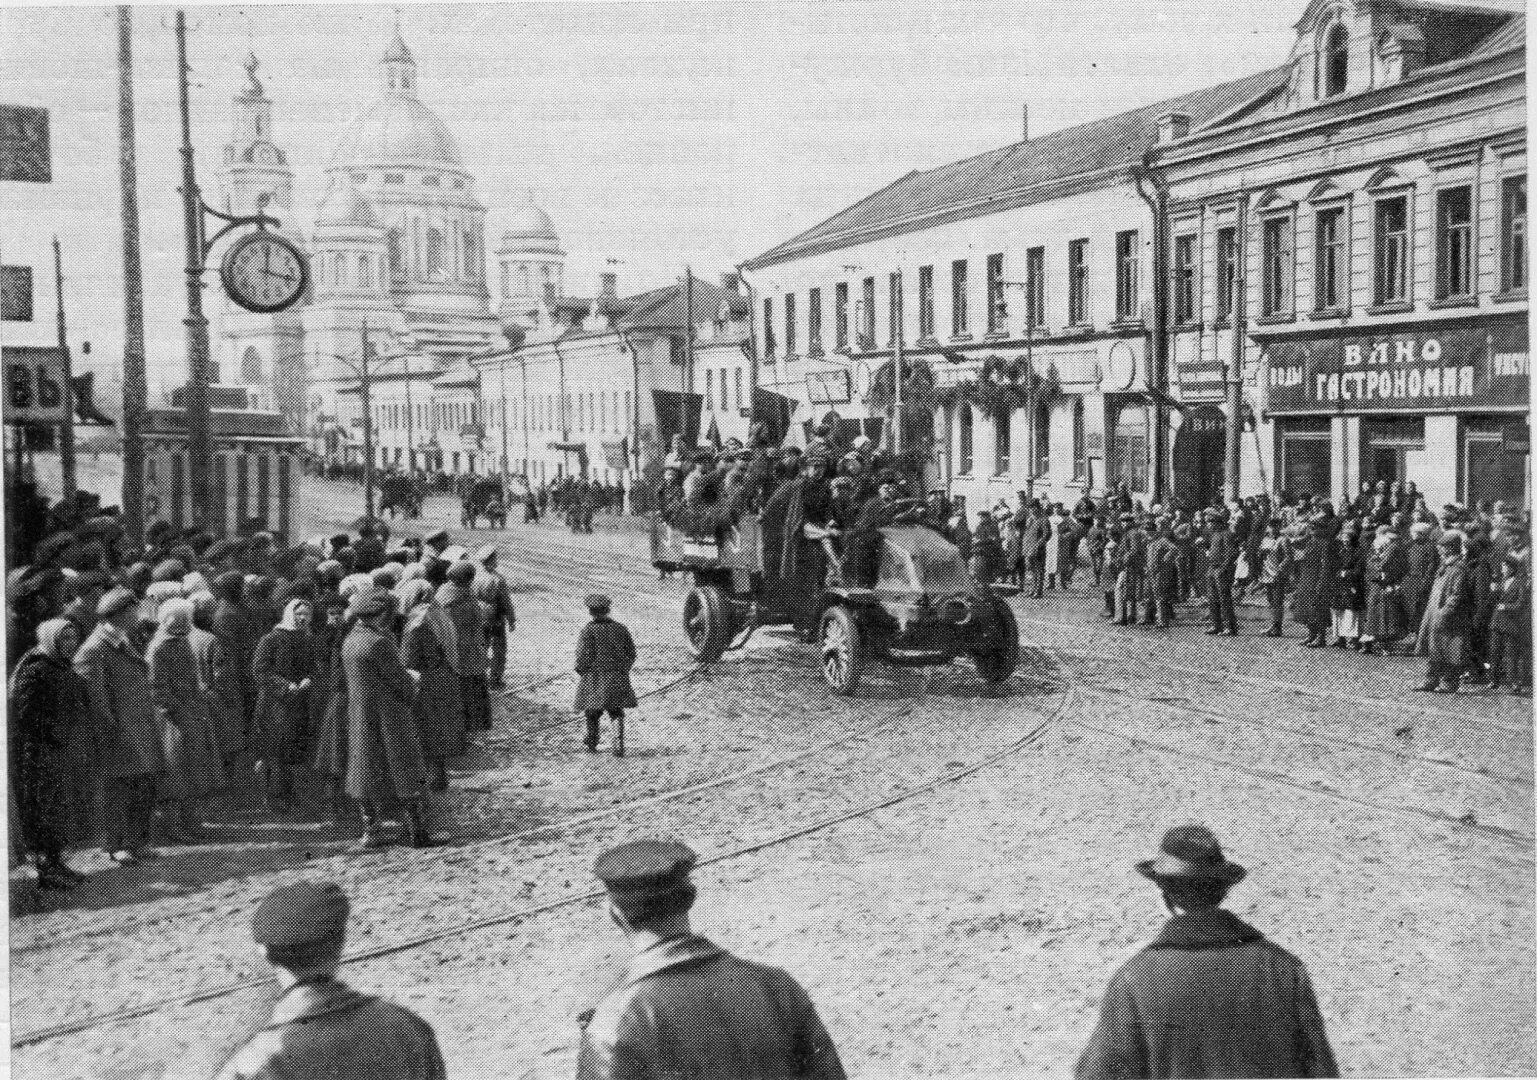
{"x": 1510, "y": 629}
{"x": 605, "y": 653}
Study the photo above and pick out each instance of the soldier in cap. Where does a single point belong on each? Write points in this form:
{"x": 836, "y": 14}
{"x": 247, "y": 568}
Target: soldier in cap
{"x": 605, "y": 653}
{"x": 495, "y": 598}
{"x": 320, "y": 1026}
{"x": 686, "y": 1008}
{"x": 1211, "y": 996}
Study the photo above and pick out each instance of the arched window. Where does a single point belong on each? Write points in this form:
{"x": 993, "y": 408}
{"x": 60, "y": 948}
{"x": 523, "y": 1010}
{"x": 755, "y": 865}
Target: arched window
{"x": 1336, "y": 60}
{"x": 396, "y": 255}
{"x": 365, "y": 272}
{"x": 251, "y": 367}
{"x": 964, "y": 457}
{"x": 1130, "y": 447}
{"x": 435, "y": 261}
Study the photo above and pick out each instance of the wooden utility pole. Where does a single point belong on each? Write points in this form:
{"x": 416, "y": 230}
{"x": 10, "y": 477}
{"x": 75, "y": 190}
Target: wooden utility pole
{"x": 199, "y": 439}
{"x": 688, "y": 329}
{"x": 1235, "y": 364}
{"x": 67, "y": 428}
{"x": 135, "y": 380}
{"x": 365, "y": 388}
{"x": 896, "y": 364}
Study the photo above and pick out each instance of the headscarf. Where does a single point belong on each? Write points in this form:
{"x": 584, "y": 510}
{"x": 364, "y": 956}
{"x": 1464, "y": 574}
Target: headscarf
{"x": 287, "y": 621}
{"x": 175, "y": 617}
{"x": 48, "y": 633}
{"x": 410, "y": 594}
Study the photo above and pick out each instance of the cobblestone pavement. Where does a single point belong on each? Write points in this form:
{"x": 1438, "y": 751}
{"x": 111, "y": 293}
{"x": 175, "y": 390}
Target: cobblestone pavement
{"x": 967, "y": 930}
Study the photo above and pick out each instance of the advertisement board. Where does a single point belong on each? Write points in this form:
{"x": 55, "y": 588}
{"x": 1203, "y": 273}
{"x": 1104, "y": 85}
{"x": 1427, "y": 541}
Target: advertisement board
{"x": 33, "y": 384}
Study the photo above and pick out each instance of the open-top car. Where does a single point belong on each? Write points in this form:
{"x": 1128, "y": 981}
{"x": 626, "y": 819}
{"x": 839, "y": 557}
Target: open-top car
{"x": 924, "y": 607}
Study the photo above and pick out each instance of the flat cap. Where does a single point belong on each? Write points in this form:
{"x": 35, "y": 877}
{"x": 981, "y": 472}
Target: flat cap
{"x": 114, "y": 601}
{"x": 300, "y": 917}
{"x": 386, "y": 576}
{"x": 440, "y": 536}
{"x": 462, "y": 572}
{"x": 644, "y": 867}
{"x": 597, "y": 602}
{"x": 169, "y": 570}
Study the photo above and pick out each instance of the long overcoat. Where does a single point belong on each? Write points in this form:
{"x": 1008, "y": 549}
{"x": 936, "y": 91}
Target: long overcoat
{"x": 1210, "y": 997}
{"x": 117, "y": 676}
{"x": 1347, "y": 586}
{"x": 463, "y": 610}
{"x": 47, "y": 706}
{"x": 280, "y": 725}
{"x": 384, "y": 749}
{"x": 439, "y": 712}
{"x": 1421, "y": 560}
{"x": 605, "y": 653}
{"x": 1310, "y": 602}
{"x": 241, "y": 631}
{"x": 687, "y": 1008}
{"x": 330, "y": 742}
{"x": 194, "y": 759}
{"x": 221, "y": 689}
{"x": 1385, "y": 570}
{"x": 1448, "y": 614}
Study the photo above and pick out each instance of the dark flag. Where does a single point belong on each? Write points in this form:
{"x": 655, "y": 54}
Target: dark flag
{"x": 773, "y": 411}
{"x": 85, "y": 400}
{"x": 677, "y": 414}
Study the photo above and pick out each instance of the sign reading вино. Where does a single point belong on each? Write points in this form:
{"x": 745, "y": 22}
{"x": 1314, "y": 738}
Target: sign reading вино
{"x": 1459, "y": 369}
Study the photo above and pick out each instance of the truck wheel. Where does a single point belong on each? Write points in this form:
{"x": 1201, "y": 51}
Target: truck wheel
{"x": 1000, "y": 658}
{"x": 706, "y": 623}
{"x": 843, "y": 658}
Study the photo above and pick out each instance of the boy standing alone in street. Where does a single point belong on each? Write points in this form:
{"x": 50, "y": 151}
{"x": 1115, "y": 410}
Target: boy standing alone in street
{"x": 605, "y": 653}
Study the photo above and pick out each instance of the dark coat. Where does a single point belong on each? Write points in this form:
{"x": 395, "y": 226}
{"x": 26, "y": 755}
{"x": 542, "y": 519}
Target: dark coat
{"x": 439, "y": 711}
{"x": 1163, "y": 569}
{"x": 47, "y": 704}
{"x": 328, "y": 1031}
{"x": 1513, "y": 608}
{"x": 687, "y": 1008}
{"x": 194, "y": 758}
{"x": 241, "y": 631}
{"x": 280, "y": 726}
{"x": 221, "y": 689}
{"x": 1033, "y": 539}
{"x": 1422, "y": 559}
{"x": 117, "y": 677}
{"x": 1385, "y": 570}
{"x": 1221, "y": 557}
{"x": 605, "y": 653}
{"x": 1211, "y": 997}
{"x": 329, "y": 756}
{"x": 1347, "y": 585}
{"x": 384, "y": 749}
{"x": 1448, "y": 615}
{"x": 463, "y": 610}
{"x": 1310, "y": 603}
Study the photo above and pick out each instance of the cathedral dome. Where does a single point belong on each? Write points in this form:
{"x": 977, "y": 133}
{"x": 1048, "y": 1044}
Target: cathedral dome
{"x": 399, "y": 130}
{"x": 530, "y": 229}
{"x": 344, "y": 206}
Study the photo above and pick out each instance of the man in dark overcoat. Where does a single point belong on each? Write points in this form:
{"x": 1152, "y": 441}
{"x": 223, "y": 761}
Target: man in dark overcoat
{"x": 605, "y": 653}
{"x": 686, "y": 1007}
{"x": 320, "y": 1026}
{"x": 1221, "y": 559}
{"x": 1443, "y": 636}
{"x": 1211, "y": 996}
{"x": 495, "y": 598}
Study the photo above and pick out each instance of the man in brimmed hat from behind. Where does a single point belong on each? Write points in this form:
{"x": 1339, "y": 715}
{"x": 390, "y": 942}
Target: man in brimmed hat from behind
{"x": 1211, "y": 996}
{"x": 320, "y": 1026}
{"x": 686, "y": 1007}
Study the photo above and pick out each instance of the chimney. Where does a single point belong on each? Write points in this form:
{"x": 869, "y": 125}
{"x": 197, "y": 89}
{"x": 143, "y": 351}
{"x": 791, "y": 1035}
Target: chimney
{"x": 731, "y": 283}
{"x": 610, "y": 285}
{"x": 1024, "y": 123}
{"x": 1173, "y": 126}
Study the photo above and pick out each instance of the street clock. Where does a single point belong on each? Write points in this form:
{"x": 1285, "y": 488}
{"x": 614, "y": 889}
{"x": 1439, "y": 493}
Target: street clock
{"x": 264, "y": 272}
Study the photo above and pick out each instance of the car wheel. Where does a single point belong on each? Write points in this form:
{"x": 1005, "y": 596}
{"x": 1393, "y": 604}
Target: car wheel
{"x": 843, "y": 658}
{"x": 1000, "y": 658}
{"x": 706, "y": 623}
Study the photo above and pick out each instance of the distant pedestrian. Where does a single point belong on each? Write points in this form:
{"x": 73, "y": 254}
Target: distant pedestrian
{"x": 457, "y": 599}
{"x": 1275, "y": 568}
{"x": 499, "y": 616}
{"x": 1347, "y": 593}
{"x": 686, "y": 1007}
{"x": 1221, "y": 565}
{"x": 1443, "y": 637}
{"x": 605, "y": 653}
{"x": 1510, "y": 629}
{"x": 321, "y": 1027}
{"x": 1211, "y": 997}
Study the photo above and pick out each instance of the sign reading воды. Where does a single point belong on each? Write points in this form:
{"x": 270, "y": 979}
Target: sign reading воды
{"x": 1458, "y": 369}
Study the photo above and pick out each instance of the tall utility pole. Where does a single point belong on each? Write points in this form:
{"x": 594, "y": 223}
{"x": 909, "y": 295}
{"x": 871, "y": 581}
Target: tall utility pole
{"x": 365, "y": 388}
{"x": 688, "y": 330}
{"x": 410, "y": 424}
{"x": 896, "y": 365}
{"x": 67, "y": 428}
{"x": 135, "y": 380}
{"x": 506, "y": 461}
{"x": 1235, "y": 364}
{"x": 199, "y": 440}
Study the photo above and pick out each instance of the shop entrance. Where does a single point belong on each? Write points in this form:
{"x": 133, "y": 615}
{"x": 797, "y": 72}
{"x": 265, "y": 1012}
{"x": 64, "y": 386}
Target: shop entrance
{"x": 1200, "y": 448}
{"x": 1495, "y": 461}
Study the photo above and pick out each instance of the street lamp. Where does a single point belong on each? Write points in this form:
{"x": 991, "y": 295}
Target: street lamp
{"x": 363, "y": 368}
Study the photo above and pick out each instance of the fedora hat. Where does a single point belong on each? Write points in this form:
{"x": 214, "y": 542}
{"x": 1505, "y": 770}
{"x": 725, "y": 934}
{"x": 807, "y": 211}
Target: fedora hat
{"x": 1191, "y": 853}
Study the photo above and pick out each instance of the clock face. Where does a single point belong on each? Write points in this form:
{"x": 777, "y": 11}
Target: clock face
{"x": 263, "y": 272}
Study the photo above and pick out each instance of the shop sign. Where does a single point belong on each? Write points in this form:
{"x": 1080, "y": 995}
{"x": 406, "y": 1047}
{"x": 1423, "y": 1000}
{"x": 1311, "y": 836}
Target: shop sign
{"x": 1460, "y": 370}
{"x": 616, "y": 453}
{"x": 34, "y": 384}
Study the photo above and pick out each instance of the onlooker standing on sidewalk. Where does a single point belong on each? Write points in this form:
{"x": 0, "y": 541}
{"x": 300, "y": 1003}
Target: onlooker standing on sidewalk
{"x": 1347, "y": 590}
{"x": 1443, "y": 636}
{"x": 1385, "y": 569}
{"x": 686, "y": 1007}
{"x": 321, "y": 1027}
{"x": 1221, "y": 559}
{"x": 284, "y": 667}
{"x": 605, "y": 653}
{"x": 1310, "y": 601}
{"x": 194, "y": 764}
{"x": 132, "y": 757}
{"x": 1133, "y": 559}
{"x": 1211, "y": 997}
{"x": 1510, "y": 629}
{"x": 1420, "y": 571}
{"x": 495, "y": 598}
{"x": 1162, "y": 577}
{"x": 457, "y": 598}
{"x": 1275, "y": 567}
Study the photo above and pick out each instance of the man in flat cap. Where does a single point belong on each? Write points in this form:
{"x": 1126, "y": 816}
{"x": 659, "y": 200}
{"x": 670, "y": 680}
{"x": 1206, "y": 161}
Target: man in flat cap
{"x": 1210, "y": 997}
{"x": 605, "y": 653}
{"x": 320, "y": 1026}
{"x": 686, "y": 1008}
{"x": 495, "y": 598}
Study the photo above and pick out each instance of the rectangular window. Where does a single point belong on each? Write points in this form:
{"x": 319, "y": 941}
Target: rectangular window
{"x": 925, "y": 302}
{"x": 1003, "y": 439}
{"x": 1513, "y": 234}
{"x": 768, "y": 328}
{"x": 1080, "y": 443}
{"x": 725, "y": 391}
{"x": 1227, "y": 271}
{"x": 1035, "y": 287}
{"x": 841, "y": 313}
{"x": 1392, "y": 235}
{"x": 867, "y": 317}
{"x": 1276, "y": 250}
{"x": 997, "y": 312}
{"x": 814, "y": 323}
{"x": 736, "y": 378}
{"x": 1128, "y": 254}
{"x": 789, "y": 324}
{"x": 1329, "y": 259}
{"x": 1042, "y": 429}
{"x": 16, "y": 293}
{"x": 1184, "y": 281}
{"x": 958, "y": 299}
{"x": 1078, "y": 283}
{"x": 1454, "y": 243}
{"x": 894, "y": 308}
{"x": 709, "y": 387}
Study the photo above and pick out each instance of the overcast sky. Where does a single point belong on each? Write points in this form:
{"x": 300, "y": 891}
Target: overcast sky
{"x": 659, "y": 134}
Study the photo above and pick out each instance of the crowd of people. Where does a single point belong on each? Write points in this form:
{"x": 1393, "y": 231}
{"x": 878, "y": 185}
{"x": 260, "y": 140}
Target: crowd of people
{"x": 145, "y": 679}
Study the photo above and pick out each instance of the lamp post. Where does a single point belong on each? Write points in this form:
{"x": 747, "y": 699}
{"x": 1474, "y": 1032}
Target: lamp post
{"x": 364, "y": 368}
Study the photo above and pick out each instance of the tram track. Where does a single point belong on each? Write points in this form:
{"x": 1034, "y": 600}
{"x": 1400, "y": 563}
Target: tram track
{"x": 953, "y": 773}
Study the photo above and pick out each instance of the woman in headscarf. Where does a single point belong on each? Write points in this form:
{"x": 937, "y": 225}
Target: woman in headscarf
{"x": 284, "y": 668}
{"x": 1421, "y": 563}
{"x": 457, "y": 601}
{"x": 1386, "y": 567}
{"x": 216, "y": 673}
{"x": 328, "y": 706}
{"x": 47, "y": 701}
{"x": 193, "y": 765}
{"x": 429, "y": 646}
{"x": 1347, "y": 593}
